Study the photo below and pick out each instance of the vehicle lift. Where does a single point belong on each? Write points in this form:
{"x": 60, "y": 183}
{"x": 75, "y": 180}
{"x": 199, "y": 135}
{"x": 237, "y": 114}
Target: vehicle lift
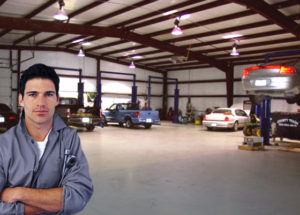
{"x": 176, "y": 95}
{"x": 99, "y": 87}
{"x": 263, "y": 110}
{"x": 80, "y": 86}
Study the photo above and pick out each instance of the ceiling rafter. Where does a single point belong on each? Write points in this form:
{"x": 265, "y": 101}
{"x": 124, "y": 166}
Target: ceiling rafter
{"x": 195, "y": 45}
{"x": 71, "y": 15}
{"x": 242, "y": 53}
{"x": 33, "y": 13}
{"x": 206, "y": 34}
{"x": 172, "y": 16}
{"x": 201, "y": 23}
{"x": 187, "y": 3}
{"x": 58, "y": 49}
{"x": 227, "y": 48}
{"x": 110, "y": 15}
{"x": 270, "y": 13}
{"x": 57, "y": 27}
{"x": 2, "y": 2}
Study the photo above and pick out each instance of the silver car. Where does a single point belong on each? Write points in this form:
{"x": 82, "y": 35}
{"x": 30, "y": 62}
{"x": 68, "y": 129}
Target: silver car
{"x": 226, "y": 118}
{"x": 277, "y": 79}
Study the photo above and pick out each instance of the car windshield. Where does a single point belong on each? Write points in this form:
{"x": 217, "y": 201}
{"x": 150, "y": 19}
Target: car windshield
{"x": 4, "y": 107}
{"x": 224, "y": 111}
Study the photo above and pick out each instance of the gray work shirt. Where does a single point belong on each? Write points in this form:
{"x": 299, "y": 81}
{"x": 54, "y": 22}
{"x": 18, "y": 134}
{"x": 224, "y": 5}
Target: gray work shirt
{"x": 20, "y": 166}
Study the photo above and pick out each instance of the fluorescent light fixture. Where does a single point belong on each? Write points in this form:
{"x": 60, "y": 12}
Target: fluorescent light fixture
{"x": 234, "y": 52}
{"x": 170, "y": 12}
{"x": 185, "y": 16}
{"x": 132, "y": 66}
{"x": 81, "y": 52}
{"x": 78, "y": 40}
{"x": 86, "y": 43}
{"x": 230, "y": 36}
{"x": 176, "y": 31}
{"x": 137, "y": 57}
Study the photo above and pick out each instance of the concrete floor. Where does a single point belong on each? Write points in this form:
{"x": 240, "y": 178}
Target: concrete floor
{"x": 185, "y": 170}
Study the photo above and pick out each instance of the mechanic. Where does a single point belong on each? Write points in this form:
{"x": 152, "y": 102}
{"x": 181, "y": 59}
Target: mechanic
{"x": 43, "y": 169}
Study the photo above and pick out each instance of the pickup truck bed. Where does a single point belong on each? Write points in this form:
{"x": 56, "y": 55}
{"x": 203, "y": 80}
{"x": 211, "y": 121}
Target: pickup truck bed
{"x": 75, "y": 115}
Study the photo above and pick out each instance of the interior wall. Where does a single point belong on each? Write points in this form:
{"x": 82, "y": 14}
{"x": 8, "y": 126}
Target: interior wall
{"x": 200, "y": 104}
{"x": 68, "y": 85}
{"x": 109, "y": 87}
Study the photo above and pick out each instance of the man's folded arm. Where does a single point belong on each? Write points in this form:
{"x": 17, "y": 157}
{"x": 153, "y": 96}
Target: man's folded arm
{"x": 44, "y": 200}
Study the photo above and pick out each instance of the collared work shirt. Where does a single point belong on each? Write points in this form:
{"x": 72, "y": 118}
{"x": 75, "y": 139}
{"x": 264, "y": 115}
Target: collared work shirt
{"x": 20, "y": 166}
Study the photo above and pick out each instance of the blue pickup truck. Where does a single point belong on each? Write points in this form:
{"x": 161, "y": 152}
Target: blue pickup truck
{"x": 130, "y": 115}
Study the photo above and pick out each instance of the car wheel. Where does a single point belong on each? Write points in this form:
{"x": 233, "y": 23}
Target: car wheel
{"x": 256, "y": 100}
{"x": 247, "y": 131}
{"x": 90, "y": 127}
{"x": 121, "y": 124}
{"x": 209, "y": 128}
{"x": 147, "y": 125}
{"x": 235, "y": 126}
{"x": 104, "y": 121}
{"x": 290, "y": 100}
{"x": 128, "y": 123}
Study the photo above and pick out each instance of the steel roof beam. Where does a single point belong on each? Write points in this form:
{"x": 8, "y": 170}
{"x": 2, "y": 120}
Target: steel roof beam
{"x": 272, "y": 14}
{"x": 58, "y": 27}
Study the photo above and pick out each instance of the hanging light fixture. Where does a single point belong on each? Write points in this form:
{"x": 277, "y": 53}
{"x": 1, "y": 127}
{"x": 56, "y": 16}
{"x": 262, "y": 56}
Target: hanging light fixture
{"x": 176, "y": 30}
{"x": 234, "y": 51}
{"x": 132, "y": 66}
{"x": 60, "y": 14}
{"x": 81, "y": 52}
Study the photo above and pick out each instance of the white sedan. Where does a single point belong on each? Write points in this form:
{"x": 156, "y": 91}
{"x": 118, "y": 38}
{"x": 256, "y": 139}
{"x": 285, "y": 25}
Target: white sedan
{"x": 226, "y": 118}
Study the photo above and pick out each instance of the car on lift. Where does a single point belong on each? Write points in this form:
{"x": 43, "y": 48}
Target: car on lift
{"x": 130, "y": 115}
{"x": 75, "y": 114}
{"x": 279, "y": 79}
{"x": 231, "y": 118}
{"x": 8, "y": 118}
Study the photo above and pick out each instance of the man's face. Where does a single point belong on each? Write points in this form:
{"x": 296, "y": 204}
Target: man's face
{"x": 39, "y": 101}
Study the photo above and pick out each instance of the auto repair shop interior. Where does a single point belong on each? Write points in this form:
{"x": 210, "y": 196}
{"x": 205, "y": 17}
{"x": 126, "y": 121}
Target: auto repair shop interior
{"x": 220, "y": 79}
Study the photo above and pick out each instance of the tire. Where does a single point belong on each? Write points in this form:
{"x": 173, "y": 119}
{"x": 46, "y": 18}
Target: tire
{"x": 290, "y": 100}
{"x": 247, "y": 131}
{"x": 104, "y": 121}
{"x": 90, "y": 127}
{"x": 128, "y": 123}
{"x": 209, "y": 128}
{"x": 256, "y": 132}
{"x": 235, "y": 126}
{"x": 147, "y": 125}
{"x": 121, "y": 124}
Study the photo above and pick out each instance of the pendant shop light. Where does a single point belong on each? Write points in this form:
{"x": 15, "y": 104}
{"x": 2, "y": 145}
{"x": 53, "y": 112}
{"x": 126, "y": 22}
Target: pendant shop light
{"x": 132, "y": 66}
{"x": 81, "y": 52}
{"x": 176, "y": 30}
{"x": 60, "y": 14}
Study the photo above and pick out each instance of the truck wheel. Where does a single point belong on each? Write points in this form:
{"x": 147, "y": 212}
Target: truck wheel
{"x": 147, "y": 125}
{"x": 90, "y": 127}
{"x": 247, "y": 131}
{"x": 128, "y": 123}
{"x": 104, "y": 121}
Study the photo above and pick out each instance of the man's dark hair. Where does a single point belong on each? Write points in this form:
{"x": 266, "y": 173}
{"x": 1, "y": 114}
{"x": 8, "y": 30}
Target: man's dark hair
{"x": 39, "y": 71}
